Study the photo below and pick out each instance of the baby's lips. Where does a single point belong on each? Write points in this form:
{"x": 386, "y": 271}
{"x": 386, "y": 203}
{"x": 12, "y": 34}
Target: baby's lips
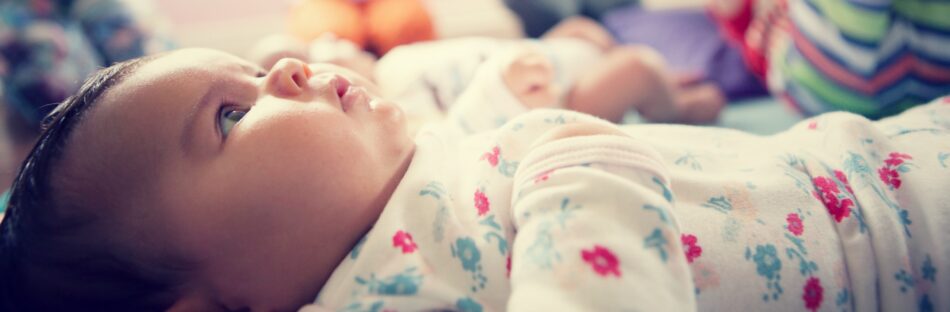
{"x": 337, "y": 82}
{"x": 356, "y": 97}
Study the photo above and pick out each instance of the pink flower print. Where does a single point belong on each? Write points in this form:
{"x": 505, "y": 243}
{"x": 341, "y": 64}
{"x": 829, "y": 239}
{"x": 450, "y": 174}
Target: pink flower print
{"x": 893, "y": 162}
{"x": 899, "y": 155}
{"x": 508, "y": 266}
{"x": 481, "y": 203}
{"x": 795, "y": 224}
{"x": 543, "y": 177}
{"x": 893, "y": 166}
{"x": 844, "y": 179}
{"x": 890, "y": 177}
{"x": 826, "y": 185}
{"x": 828, "y": 194}
{"x": 404, "y": 240}
{"x": 492, "y": 156}
{"x": 813, "y": 125}
{"x": 812, "y": 294}
{"x": 840, "y": 209}
{"x": 602, "y": 260}
{"x": 690, "y": 247}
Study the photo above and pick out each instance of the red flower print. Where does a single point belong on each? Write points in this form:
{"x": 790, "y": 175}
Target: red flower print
{"x": 812, "y": 294}
{"x": 795, "y": 224}
{"x": 890, "y": 177}
{"x": 481, "y": 203}
{"x": 508, "y": 266}
{"x": 543, "y": 177}
{"x": 602, "y": 260}
{"x": 692, "y": 250}
{"x": 840, "y": 209}
{"x": 492, "y": 156}
{"x": 899, "y": 155}
{"x": 826, "y": 185}
{"x": 893, "y": 166}
{"x": 844, "y": 179}
{"x": 893, "y": 162}
{"x": 404, "y": 240}
{"x": 828, "y": 195}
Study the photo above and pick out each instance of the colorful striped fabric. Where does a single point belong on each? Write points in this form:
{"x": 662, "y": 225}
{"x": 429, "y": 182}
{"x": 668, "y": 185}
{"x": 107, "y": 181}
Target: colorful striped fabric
{"x": 871, "y": 57}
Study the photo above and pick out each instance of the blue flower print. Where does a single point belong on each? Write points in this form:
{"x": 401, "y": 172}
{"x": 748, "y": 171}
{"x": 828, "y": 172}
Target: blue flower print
{"x": 467, "y": 253}
{"x": 404, "y": 283}
{"x": 925, "y": 304}
{"x": 767, "y": 265}
{"x": 355, "y": 252}
{"x": 928, "y": 271}
{"x": 766, "y": 262}
{"x": 358, "y": 307}
{"x": 468, "y": 305}
{"x": 400, "y": 285}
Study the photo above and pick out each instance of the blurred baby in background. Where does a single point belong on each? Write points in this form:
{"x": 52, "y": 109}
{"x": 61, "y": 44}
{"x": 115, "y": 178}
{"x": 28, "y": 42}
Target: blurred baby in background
{"x": 575, "y": 65}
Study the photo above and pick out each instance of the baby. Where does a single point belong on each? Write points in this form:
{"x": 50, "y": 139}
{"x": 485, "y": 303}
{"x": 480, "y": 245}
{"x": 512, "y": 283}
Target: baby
{"x": 576, "y": 65}
{"x": 230, "y": 188}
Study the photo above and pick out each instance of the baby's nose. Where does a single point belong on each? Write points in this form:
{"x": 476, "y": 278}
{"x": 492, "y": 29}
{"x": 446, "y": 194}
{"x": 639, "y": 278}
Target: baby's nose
{"x": 288, "y": 78}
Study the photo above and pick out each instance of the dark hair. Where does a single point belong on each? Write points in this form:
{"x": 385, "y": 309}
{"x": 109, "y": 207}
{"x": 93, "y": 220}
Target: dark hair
{"x": 44, "y": 266}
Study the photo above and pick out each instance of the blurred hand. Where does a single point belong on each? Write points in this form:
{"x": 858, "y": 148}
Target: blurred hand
{"x": 530, "y": 77}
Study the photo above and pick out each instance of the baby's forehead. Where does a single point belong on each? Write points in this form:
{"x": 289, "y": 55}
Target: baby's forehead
{"x": 143, "y": 115}
{"x": 186, "y": 62}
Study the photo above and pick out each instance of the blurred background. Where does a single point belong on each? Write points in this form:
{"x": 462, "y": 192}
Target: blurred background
{"x": 49, "y": 46}
{"x": 224, "y": 25}
{"x": 759, "y": 65}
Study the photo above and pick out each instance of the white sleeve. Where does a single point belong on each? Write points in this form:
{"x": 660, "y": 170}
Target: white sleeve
{"x": 595, "y": 230}
{"x": 487, "y": 103}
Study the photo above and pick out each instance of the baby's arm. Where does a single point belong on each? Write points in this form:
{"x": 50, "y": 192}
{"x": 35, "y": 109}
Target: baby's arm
{"x": 510, "y": 82}
{"x": 595, "y": 231}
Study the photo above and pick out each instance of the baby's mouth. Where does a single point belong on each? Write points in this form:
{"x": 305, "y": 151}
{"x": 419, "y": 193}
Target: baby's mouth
{"x": 356, "y": 98}
{"x": 340, "y": 84}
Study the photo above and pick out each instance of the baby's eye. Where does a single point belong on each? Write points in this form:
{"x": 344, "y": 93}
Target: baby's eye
{"x": 228, "y": 117}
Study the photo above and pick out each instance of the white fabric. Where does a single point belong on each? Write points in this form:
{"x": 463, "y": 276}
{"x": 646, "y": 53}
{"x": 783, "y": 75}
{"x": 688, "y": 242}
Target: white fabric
{"x": 428, "y": 78}
{"x": 675, "y": 218}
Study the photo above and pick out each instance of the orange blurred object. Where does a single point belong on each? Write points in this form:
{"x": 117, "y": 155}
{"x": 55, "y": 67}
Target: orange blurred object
{"x": 375, "y": 25}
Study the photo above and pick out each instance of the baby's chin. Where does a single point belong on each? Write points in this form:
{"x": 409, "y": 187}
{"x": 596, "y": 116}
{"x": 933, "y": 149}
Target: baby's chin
{"x": 391, "y": 114}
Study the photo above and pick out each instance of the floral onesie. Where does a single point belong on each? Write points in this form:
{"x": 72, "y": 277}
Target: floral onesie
{"x": 836, "y": 214}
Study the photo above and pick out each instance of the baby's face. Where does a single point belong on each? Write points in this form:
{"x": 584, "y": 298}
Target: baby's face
{"x": 265, "y": 180}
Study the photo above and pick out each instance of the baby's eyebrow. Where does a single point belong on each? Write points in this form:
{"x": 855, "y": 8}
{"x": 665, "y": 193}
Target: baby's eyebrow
{"x": 191, "y": 120}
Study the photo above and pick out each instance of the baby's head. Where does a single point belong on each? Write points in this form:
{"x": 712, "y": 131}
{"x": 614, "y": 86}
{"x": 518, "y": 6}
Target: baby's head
{"x": 196, "y": 181}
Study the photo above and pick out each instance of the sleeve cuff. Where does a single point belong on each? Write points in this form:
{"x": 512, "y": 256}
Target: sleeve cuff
{"x": 608, "y": 150}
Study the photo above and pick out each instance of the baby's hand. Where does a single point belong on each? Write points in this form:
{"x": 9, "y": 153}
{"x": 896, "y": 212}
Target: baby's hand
{"x": 530, "y": 77}
{"x": 578, "y": 130}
